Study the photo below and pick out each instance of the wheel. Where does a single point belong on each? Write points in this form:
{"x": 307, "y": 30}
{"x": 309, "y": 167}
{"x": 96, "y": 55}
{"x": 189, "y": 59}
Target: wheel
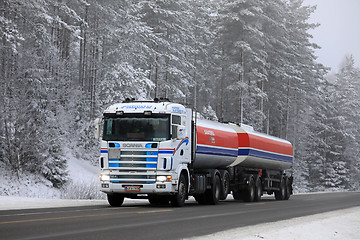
{"x": 258, "y": 189}
{"x": 178, "y": 200}
{"x": 213, "y": 195}
{"x": 281, "y": 194}
{"x": 225, "y": 186}
{"x": 288, "y": 189}
{"x": 115, "y": 200}
{"x": 250, "y": 191}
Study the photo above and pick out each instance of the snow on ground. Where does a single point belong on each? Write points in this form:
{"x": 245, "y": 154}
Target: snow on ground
{"x": 83, "y": 182}
{"x": 25, "y": 184}
{"x": 335, "y": 225}
{"x": 80, "y": 170}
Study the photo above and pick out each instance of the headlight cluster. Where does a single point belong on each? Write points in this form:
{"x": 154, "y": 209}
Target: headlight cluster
{"x": 104, "y": 177}
{"x": 163, "y": 178}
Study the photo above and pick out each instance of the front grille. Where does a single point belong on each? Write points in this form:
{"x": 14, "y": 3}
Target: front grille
{"x": 133, "y": 178}
{"x": 134, "y": 165}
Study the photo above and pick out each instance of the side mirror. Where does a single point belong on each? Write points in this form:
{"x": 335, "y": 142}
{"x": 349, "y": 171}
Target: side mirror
{"x": 97, "y": 128}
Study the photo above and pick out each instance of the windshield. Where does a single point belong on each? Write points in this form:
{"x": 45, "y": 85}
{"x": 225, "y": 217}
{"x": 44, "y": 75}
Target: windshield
{"x": 137, "y": 128}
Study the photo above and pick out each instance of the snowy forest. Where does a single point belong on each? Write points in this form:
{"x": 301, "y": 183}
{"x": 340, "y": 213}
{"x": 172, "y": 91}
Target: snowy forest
{"x": 251, "y": 61}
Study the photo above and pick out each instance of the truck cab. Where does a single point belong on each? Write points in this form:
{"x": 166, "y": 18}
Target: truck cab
{"x": 145, "y": 148}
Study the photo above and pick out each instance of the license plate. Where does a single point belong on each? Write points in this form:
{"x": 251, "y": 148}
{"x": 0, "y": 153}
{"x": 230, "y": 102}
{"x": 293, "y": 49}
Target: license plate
{"x": 132, "y": 188}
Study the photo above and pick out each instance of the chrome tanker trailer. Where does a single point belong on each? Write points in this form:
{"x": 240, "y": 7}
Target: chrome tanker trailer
{"x": 158, "y": 150}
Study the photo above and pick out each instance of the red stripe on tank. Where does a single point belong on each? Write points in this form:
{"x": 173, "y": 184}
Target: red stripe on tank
{"x": 217, "y": 138}
{"x": 262, "y": 143}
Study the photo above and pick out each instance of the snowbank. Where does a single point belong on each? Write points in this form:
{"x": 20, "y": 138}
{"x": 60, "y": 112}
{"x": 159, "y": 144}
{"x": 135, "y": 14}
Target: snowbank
{"x": 82, "y": 171}
{"x": 25, "y": 185}
{"x": 83, "y": 182}
{"x": 342, "y": 224}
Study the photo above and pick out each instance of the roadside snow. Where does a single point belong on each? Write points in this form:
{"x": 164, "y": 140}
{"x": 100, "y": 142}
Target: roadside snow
{"x": 83, "y": 182}
{"x": 81, "y": 171}
{"x": 25, "y": 185}
{"x": 335, "y": 225}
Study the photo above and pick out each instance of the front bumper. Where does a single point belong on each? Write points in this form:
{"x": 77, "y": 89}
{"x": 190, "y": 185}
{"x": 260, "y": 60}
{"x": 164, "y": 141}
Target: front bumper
{"x": 135, "y": 188}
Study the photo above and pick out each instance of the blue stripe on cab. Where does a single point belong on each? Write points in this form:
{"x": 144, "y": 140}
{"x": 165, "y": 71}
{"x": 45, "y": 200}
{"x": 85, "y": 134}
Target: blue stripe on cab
{"x": 166, "y": 152}
{"x": 151, "y": 165}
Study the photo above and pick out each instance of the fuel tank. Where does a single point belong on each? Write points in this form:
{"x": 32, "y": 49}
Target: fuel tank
{"x": 220, "y": 145}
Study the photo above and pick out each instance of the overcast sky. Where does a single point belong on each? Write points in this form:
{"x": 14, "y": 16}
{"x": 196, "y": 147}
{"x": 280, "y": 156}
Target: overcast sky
{"x": 339, "y": 32}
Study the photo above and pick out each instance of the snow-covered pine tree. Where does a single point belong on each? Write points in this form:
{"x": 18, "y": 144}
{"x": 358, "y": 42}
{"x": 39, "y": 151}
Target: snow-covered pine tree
{"x": 347, "y": 101}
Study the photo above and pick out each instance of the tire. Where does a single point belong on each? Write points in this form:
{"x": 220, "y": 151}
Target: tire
{"x": 225, "y": 186}
{"x": 288, "y": 189}
{"x": 213, "y": 195}
{"x": 250, "y": 191}
{"x": 115, "y": 200}
{"x": 178, "y": 200}
{"x": 281, "y": 194}
{"x": 258, "y": 189}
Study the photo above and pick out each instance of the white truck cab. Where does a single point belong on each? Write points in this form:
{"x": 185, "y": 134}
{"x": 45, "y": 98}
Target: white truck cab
{"x": 145, "y": 147}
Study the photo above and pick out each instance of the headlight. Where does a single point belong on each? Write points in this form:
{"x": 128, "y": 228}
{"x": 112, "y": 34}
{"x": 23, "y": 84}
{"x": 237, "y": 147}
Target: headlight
{"x": 105, "y": 177}
{"x": 163, "y": 178}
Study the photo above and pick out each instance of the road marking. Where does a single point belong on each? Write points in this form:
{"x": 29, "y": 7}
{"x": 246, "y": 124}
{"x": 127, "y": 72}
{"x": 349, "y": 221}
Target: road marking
{"x": 252, "y": 204}
{"x": 85, "y": 216}
{"x": 78, "y": 210}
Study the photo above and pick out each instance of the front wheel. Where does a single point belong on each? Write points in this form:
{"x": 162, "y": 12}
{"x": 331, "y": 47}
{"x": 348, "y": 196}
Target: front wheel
{"x": 115, "y": 200}
{"x": 178, "y": 200}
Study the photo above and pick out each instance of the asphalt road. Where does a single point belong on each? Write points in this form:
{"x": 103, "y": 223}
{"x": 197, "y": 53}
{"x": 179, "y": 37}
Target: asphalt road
{"x": 142, "y": 221}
